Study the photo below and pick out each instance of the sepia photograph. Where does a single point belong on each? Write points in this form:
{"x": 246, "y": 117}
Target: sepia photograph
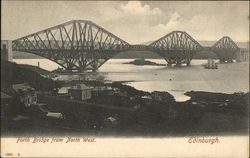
{"x": 147, "y": 78}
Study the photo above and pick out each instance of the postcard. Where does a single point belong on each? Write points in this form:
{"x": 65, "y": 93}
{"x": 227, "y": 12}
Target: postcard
{"x": 124, "y": 78}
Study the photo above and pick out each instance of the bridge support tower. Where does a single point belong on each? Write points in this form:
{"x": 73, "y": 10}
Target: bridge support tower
{"x": 225, "y": 49}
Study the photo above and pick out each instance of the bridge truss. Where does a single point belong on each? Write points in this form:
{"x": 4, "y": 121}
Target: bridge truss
{"x": 176, "y": 47}
{"x": 76, "y": 45}
{"x": 225, "y": 49}
{"x": 82, "y": 45}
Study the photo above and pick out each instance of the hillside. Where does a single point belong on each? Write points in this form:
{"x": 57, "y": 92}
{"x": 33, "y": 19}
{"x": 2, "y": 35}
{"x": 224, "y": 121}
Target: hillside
{"x": 35, "y": 68}
{"x": 23, "y": 55}
{"x": 12, "y": 73}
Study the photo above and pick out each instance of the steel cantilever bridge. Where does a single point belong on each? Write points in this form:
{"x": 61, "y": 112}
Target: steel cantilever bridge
{"x": 82, "y": 45}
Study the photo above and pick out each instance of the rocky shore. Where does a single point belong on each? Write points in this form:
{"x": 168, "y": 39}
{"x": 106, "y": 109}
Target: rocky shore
{"x": 143, "y": 62}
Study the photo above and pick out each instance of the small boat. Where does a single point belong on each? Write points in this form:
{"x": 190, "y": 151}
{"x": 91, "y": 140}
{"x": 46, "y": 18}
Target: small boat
{"x": 211, "y": 64}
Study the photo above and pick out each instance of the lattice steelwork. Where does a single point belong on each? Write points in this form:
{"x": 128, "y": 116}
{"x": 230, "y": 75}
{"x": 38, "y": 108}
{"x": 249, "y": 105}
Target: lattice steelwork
{"x": 176, "y": 47}
{"x": 76, "y": 45}
{"x": 82, "y": 45}
{"x": 225, "y": 49}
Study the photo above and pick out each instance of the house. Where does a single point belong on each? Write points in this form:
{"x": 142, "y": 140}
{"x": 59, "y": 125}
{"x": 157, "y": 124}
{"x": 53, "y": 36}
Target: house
{"x": 5, "y": 99}
{"x": 80, "y": 92}
{"x": 99, "y": 90}
{"x": 63, "y": 90}
{"x": 110, "y": 122}
{"x": 146, "y": 97}
{"x": 26, "y": 94}
{"x": 122, "y": 93}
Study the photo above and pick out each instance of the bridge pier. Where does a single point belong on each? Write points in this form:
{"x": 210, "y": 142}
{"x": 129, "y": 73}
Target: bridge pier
{"x": 177, "y": 61}
{"x": 242, "y": 55}
{"x": 222, "y": 61}
{"x": 95, "y": 65}
{"x": 169, "y": 64}
{"x": 226, "y": 61}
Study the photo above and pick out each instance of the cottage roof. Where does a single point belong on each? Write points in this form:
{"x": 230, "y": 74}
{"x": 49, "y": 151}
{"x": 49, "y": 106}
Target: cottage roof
{"x": 146, "y": 97}
{"x": 5, "y": 96}
{"x": 112, "y": 119}
{"x": 22, "y": 88}
{"x": 80, "y": 86}
{"x": 63, "y": 90}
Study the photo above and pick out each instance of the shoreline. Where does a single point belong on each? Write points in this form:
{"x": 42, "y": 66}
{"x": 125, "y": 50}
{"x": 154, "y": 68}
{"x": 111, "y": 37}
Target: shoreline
{"x": 155, "y": 113}
{"x": 203, "y": 109}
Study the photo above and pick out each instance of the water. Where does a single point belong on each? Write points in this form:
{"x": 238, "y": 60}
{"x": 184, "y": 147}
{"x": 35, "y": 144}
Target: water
{"x": 228, "y": 78}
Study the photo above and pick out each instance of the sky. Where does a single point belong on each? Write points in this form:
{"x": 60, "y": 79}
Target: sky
{"x": 133, "y": 21}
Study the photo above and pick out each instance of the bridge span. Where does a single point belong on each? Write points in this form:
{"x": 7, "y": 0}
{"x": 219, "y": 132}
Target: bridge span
{"x": 82, "y": 45}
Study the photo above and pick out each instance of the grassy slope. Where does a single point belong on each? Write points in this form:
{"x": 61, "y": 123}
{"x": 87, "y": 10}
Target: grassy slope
{"x": 12, "y": 73}
{"x": 35, "y": 68}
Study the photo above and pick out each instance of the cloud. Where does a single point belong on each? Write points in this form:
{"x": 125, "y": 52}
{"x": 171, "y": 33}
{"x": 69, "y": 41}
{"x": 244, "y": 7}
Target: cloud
{"x": 139, "y": 22}
{"x": 133, "y": 21}
{"x": 172, "y": 24}
{"x": 132, "y": 12}
{"x": 136, "y": 8}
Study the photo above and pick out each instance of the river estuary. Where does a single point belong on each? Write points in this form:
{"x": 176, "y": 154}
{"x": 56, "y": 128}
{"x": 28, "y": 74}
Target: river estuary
{"x": 228, "y": 78}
